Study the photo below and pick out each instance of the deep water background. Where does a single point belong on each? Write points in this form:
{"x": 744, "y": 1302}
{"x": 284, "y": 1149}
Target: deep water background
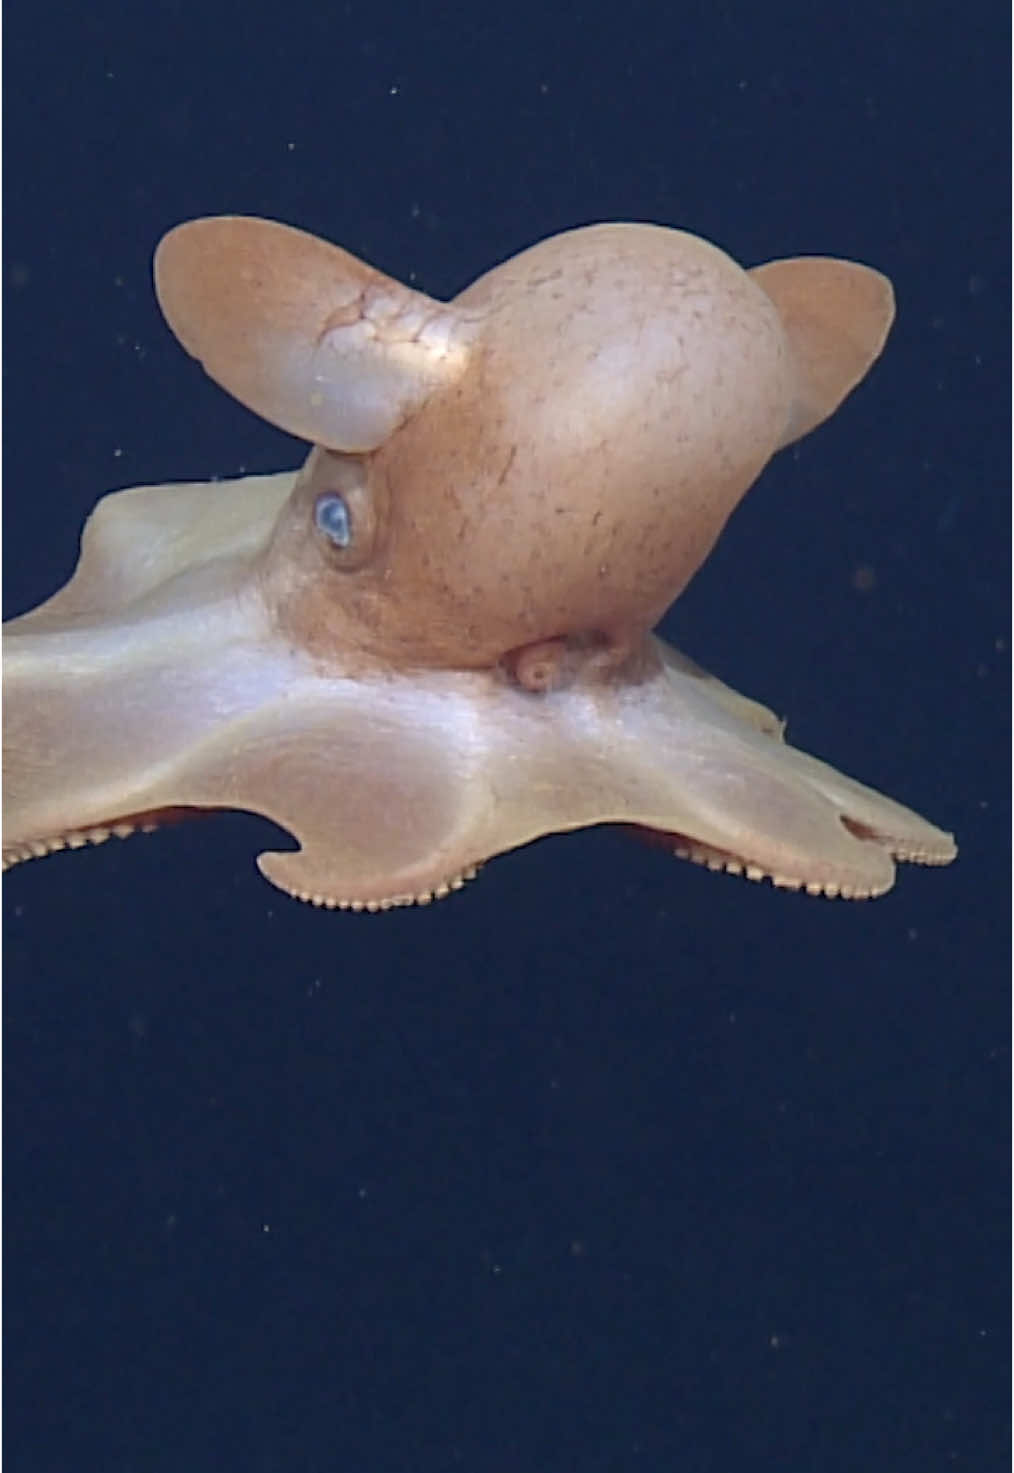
{"x": 608, "y": 1163}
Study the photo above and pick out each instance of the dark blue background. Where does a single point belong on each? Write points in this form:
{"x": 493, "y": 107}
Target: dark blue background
{"x": 608, "y": 1163}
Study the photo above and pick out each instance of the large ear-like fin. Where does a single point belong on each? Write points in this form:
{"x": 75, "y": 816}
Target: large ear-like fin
{"x": 304, "y": 334}
{"x": 837, "y": 315}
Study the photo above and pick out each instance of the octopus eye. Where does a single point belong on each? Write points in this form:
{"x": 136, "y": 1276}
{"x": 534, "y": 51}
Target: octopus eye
{"x": 344, "y": 525}
{"x": 332, "y": 517}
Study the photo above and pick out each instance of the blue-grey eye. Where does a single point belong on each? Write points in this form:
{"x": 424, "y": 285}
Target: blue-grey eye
{"x": 331, "y": 515}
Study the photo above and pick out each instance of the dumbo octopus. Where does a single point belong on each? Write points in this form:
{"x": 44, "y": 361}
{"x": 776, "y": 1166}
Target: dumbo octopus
{"x": 432, "y": 643}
